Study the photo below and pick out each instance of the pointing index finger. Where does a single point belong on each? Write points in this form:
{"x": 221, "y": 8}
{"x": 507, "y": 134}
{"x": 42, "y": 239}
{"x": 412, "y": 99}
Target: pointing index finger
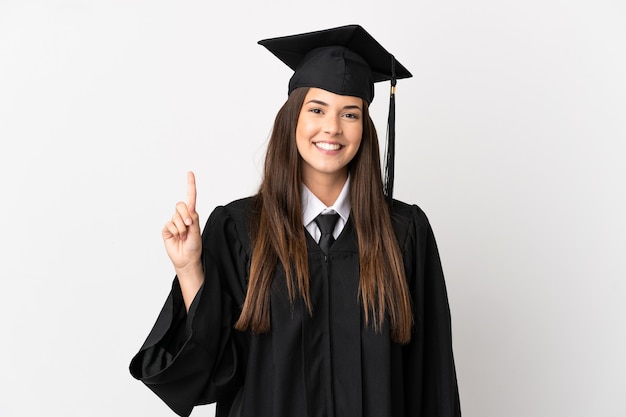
{"x": 191, "y": 192}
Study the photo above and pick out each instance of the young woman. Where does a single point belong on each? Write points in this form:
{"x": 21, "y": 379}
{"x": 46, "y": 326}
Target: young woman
{"x": 320, "y": 295}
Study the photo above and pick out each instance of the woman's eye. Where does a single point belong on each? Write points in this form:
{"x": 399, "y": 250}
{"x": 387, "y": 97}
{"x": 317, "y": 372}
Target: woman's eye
{"x": 352, "y": 115}
{"x": 315, "y": 110}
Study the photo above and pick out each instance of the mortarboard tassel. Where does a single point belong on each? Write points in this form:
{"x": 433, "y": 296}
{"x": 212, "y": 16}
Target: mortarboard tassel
{"x": 391, "y": 137}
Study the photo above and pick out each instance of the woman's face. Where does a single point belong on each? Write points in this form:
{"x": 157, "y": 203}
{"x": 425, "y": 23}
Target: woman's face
{"x": 328, "y": 134}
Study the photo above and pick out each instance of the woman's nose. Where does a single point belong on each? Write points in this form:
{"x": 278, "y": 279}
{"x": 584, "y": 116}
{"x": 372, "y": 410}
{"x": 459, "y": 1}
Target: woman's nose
{"x": 332, "y": 126}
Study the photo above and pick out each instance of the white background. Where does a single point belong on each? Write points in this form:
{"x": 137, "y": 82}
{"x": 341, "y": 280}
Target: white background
{"x": 511, "y": 136}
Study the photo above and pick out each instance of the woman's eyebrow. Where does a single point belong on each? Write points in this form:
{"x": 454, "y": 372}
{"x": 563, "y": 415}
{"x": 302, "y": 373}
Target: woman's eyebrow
{"x": 322, "y": 103}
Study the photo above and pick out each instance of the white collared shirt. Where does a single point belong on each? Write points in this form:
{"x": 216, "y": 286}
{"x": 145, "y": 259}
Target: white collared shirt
{"x": 312, "y": 207}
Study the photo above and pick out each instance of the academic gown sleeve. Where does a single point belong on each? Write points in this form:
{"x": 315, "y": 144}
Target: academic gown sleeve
{"x": 430, "y": 378}
{"x": 194, "y": 358}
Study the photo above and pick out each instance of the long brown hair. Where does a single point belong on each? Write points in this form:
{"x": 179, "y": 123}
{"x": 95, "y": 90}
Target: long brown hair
{"x": 278, "y": 235}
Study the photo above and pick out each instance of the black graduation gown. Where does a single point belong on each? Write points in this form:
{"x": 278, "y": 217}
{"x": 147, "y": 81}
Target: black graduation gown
{"x": 325, "y": 365}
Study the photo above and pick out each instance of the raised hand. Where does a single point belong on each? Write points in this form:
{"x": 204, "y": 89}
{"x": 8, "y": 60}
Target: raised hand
{"x": 181, "y": 234}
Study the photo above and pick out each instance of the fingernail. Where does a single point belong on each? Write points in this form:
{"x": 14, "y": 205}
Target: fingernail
{"x": 188, "y": 221}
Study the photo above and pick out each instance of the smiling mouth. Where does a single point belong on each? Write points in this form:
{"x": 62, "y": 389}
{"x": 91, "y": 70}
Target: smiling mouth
{"x": 328, "y": 146}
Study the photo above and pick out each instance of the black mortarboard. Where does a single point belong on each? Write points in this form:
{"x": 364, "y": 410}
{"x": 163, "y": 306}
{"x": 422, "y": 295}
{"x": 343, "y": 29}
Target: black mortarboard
{"x": 344, "y": 60}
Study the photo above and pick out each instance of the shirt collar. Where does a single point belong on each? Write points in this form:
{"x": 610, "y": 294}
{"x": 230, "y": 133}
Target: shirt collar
{"x": 313, "y": 206}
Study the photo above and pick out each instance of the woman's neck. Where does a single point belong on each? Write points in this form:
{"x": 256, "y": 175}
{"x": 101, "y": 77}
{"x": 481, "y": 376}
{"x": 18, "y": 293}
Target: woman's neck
{"x": 327, "y": 187}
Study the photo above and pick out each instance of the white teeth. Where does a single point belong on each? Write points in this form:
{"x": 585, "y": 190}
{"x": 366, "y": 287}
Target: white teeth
{"x": 328, "y": 146}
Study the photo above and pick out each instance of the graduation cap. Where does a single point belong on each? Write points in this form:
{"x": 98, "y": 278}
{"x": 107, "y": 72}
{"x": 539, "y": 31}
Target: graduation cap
{"x": 344, "y": 60}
